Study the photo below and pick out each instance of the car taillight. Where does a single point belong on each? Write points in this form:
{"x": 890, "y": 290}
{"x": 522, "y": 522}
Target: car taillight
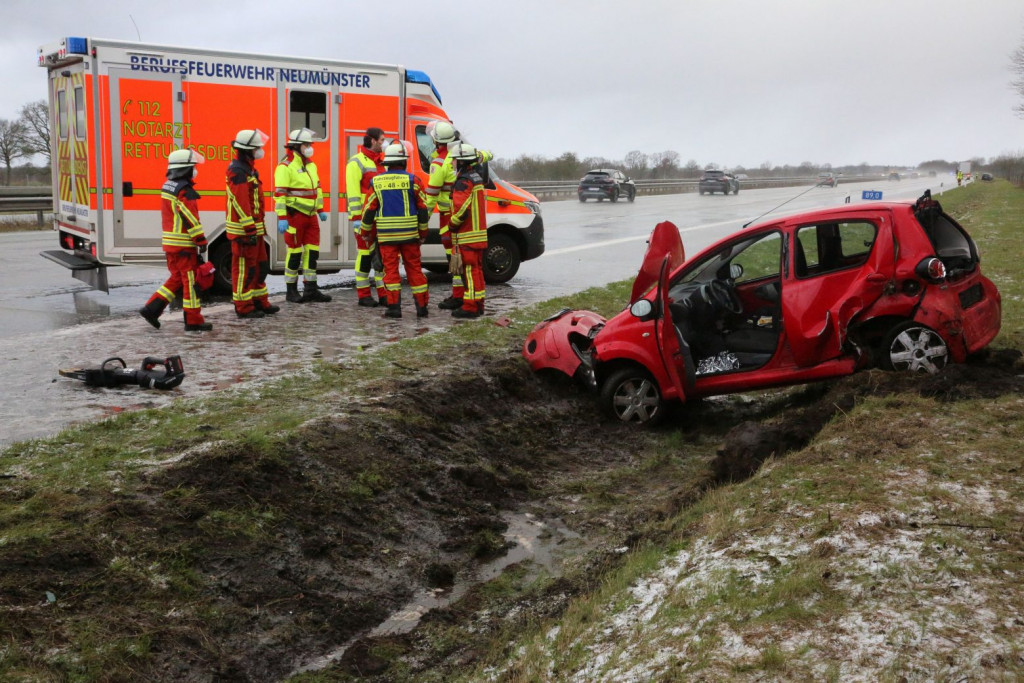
{"x": 92, "y": 248}
{"x": 931, "y": 269}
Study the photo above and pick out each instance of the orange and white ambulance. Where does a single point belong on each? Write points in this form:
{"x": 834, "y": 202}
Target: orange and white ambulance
{"x": 117, "y": 109}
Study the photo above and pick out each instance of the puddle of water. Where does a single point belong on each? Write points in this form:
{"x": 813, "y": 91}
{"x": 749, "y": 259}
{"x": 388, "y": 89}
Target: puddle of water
{"x": 534, "y": 539}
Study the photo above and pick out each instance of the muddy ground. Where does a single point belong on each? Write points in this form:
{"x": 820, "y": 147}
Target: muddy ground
{"x": 250, "y": 562}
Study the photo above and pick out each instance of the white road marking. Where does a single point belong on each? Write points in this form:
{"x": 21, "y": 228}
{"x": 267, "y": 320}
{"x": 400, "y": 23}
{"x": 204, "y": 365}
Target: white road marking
{"x": 623, "y": 240}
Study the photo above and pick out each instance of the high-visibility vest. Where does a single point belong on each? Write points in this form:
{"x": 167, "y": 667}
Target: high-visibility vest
{"x": 440, "y": 182}
{"x": 297, "y": 186}
{"x": 245, "y": 201}
{"x": 179, "y": 211}
{"x": 396, "y": 208}
{"x": 469, "y": 213}
{"x": 358, "y": 173}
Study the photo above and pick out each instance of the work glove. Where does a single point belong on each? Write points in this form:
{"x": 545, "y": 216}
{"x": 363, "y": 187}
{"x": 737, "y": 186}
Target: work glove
{"x": 202, "y": 250}
{"x": 282, "y": 225}
{"x": 323, "y": 215}
{"x": 251, "y": 240}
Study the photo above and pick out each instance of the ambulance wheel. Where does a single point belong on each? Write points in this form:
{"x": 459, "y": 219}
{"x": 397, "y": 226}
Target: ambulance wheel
{"x": 220, "y": 256}
{"x": 501, "y": 258}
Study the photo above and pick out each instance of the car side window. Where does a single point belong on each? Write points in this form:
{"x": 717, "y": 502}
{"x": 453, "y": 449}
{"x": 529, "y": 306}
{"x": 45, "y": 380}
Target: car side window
{"x": 828, "y": 247}
{"x": 760, "y": 259}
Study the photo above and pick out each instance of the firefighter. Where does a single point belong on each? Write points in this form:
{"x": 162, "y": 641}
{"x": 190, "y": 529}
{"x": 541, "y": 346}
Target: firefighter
{"x": 468, "y": 226}
{"x": 439, "y": 194}
{"x": 396, "y": 210}
{"x": 298, "y": 202}
{"x": 250, "y": 260}
{"x": 361, "y": 168}
{"x": 183, "y": 241}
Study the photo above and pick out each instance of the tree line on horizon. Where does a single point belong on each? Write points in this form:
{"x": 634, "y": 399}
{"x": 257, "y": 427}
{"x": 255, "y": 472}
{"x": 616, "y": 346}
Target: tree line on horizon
{"x": 28, "y": 136}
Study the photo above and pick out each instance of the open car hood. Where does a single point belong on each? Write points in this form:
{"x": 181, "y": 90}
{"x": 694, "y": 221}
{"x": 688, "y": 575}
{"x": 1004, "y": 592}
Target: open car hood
{"x": 663, "y": 243}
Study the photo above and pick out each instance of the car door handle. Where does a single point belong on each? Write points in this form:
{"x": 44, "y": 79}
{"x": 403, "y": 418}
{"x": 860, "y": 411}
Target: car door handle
{"x": 876, "y": 278}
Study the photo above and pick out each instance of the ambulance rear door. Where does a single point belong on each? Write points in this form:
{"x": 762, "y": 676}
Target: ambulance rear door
{"x": 72, "y": 172}
{"x": 145, "y": 111}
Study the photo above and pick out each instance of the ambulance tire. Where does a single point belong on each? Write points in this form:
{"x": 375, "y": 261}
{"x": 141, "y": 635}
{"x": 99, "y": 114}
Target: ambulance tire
{"x": 220, "y": 257}
{"x": 501, "y": 258}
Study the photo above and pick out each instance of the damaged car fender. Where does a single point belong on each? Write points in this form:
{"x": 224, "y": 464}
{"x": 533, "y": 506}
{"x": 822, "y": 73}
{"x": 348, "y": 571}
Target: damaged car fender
{"x": 562, "y": 341}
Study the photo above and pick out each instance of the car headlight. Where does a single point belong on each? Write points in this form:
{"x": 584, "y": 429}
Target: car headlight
{"x": 534, "y": 207}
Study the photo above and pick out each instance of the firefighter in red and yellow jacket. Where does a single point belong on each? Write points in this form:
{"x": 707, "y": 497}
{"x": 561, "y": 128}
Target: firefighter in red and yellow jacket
{"x": 250, "y": 260}
{"x": 183, "y": 240}
{"x": 361, "y": 168}
{"x": 396, "y": 210}
{"x": 439, "y": 194}
{"x": 298, "y": 202}
{"x": 469, "y": 227}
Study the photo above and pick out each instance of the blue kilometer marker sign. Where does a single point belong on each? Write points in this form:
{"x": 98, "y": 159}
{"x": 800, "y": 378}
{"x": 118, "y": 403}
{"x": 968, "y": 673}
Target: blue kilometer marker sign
{"x": 871, "y": 194}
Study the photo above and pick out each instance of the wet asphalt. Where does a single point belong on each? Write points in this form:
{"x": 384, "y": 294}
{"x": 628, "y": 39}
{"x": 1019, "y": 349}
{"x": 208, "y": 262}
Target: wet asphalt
{"x": 50, "y": 321}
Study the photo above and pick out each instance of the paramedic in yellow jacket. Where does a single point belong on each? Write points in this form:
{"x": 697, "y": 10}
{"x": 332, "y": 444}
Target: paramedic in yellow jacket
{"x": 298, "y": 202}
{"x": 359, "y": 173}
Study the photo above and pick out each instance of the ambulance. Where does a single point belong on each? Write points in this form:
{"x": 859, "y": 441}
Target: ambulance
{"x": 117, "y": 109}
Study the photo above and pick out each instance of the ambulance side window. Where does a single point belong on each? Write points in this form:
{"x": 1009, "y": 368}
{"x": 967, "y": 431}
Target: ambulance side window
{"x": 308, "y": 109}
{"x": 62, "y": 114}
{"x": 425, "y": 145}
{"x": 80, "y": 113}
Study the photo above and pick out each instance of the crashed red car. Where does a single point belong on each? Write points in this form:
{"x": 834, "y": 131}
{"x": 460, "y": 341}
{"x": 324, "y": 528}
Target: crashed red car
{"x": 797, "y": 299}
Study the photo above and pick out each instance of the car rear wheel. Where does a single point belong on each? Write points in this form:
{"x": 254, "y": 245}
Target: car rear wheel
{"x": 583, "y": 199}
{"x": 631, "y": 395}
{"x": 912, "y": 347}
{"x": 615, "y": 195}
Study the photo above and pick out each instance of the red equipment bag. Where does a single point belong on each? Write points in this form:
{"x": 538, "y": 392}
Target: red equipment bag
{"x": 204, "y": 275}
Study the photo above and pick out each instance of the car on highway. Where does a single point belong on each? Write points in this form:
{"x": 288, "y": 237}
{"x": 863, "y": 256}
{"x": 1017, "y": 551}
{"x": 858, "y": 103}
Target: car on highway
{"x": 894, "y": 176}
{"x": 718, "y": 181}
{"x": 796, "y": 299}
{"x": 606, "y": 183}
{"x": 827, "y": 179}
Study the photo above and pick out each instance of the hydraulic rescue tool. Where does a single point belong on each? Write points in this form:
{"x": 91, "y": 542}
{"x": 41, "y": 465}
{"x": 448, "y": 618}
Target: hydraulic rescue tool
{"x": 153, "y": 374}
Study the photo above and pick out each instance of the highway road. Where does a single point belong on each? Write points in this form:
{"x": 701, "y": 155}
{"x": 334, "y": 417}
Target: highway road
{"x": 49, "y": 320}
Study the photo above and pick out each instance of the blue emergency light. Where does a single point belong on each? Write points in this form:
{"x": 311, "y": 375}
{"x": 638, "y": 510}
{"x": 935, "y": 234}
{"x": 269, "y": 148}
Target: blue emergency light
{"x": 76, "y": 46}
{"x": 421, "y": 77}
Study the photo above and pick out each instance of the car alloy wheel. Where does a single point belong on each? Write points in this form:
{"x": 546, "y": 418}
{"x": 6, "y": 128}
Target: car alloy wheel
{"x": 911, "y": 347}
{"x": 632, "y": 395}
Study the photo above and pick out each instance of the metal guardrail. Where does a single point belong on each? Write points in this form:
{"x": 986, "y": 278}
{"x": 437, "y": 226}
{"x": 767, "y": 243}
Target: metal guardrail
{"x": 555, "y": 188}
{"x": 39, "y": 204}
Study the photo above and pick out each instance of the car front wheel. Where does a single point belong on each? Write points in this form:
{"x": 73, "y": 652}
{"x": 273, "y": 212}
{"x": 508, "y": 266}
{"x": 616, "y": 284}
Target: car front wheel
{"x": 632, "y": 395}
{"x": 632, "y": 196}
{"x": 912, "y": 347}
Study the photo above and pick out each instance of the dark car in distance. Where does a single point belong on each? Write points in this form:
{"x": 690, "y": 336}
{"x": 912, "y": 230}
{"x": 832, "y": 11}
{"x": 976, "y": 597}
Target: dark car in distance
{"x": 606, "y": 183}
{"x": 718, "y": 181}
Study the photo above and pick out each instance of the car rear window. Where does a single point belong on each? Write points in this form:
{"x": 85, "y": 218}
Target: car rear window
{"x": 597, "y": 175}
{"x": 952, "y": 245}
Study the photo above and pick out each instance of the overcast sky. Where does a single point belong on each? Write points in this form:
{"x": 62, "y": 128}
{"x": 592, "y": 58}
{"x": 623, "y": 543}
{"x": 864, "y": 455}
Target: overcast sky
{"x": 730, "y": 82}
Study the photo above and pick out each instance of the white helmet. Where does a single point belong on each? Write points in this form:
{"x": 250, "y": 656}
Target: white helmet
{"x": 250, "y": 139}
{"x": 396, "y": 153}
{"x": 462, "y": 151}
{"x": 302, "y": 136}
{"x": 183, "y": 158}
{"x": 441, "y": 132}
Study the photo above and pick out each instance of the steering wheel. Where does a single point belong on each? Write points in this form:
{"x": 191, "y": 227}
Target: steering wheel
{"x": 725, "y": 297}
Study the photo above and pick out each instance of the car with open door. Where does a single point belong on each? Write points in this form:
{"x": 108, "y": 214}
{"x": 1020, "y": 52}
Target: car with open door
{"x": 797, "y": 299}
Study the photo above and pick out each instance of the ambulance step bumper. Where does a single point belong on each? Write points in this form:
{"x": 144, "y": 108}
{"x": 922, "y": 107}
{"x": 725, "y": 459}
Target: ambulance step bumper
{"x": 86, "y": 270}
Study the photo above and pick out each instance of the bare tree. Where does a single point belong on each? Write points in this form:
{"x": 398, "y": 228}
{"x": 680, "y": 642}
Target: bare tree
{"x": 1017, "y": 67}
{"x": 12, "y": 144}
{"x": 35, "y": 117}
{"x": 636, "y": 162}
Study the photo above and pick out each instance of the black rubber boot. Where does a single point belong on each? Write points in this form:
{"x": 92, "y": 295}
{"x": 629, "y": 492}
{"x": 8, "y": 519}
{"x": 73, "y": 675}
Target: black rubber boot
{"x": 151, "y": 312}
{"x": 450, "y": 304}
{"x": 199, "y": 327}
{"x": 311, "y": 293}
{"x": 463, "y": 313}
{"x": 254, "y": 313}
{"x": 394, "y": 311}
{"x": 270, "y": 309}
{"x": 368, "y": 302}
{"x": 293, "y": 295}
{"x": 422, "y": 311}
